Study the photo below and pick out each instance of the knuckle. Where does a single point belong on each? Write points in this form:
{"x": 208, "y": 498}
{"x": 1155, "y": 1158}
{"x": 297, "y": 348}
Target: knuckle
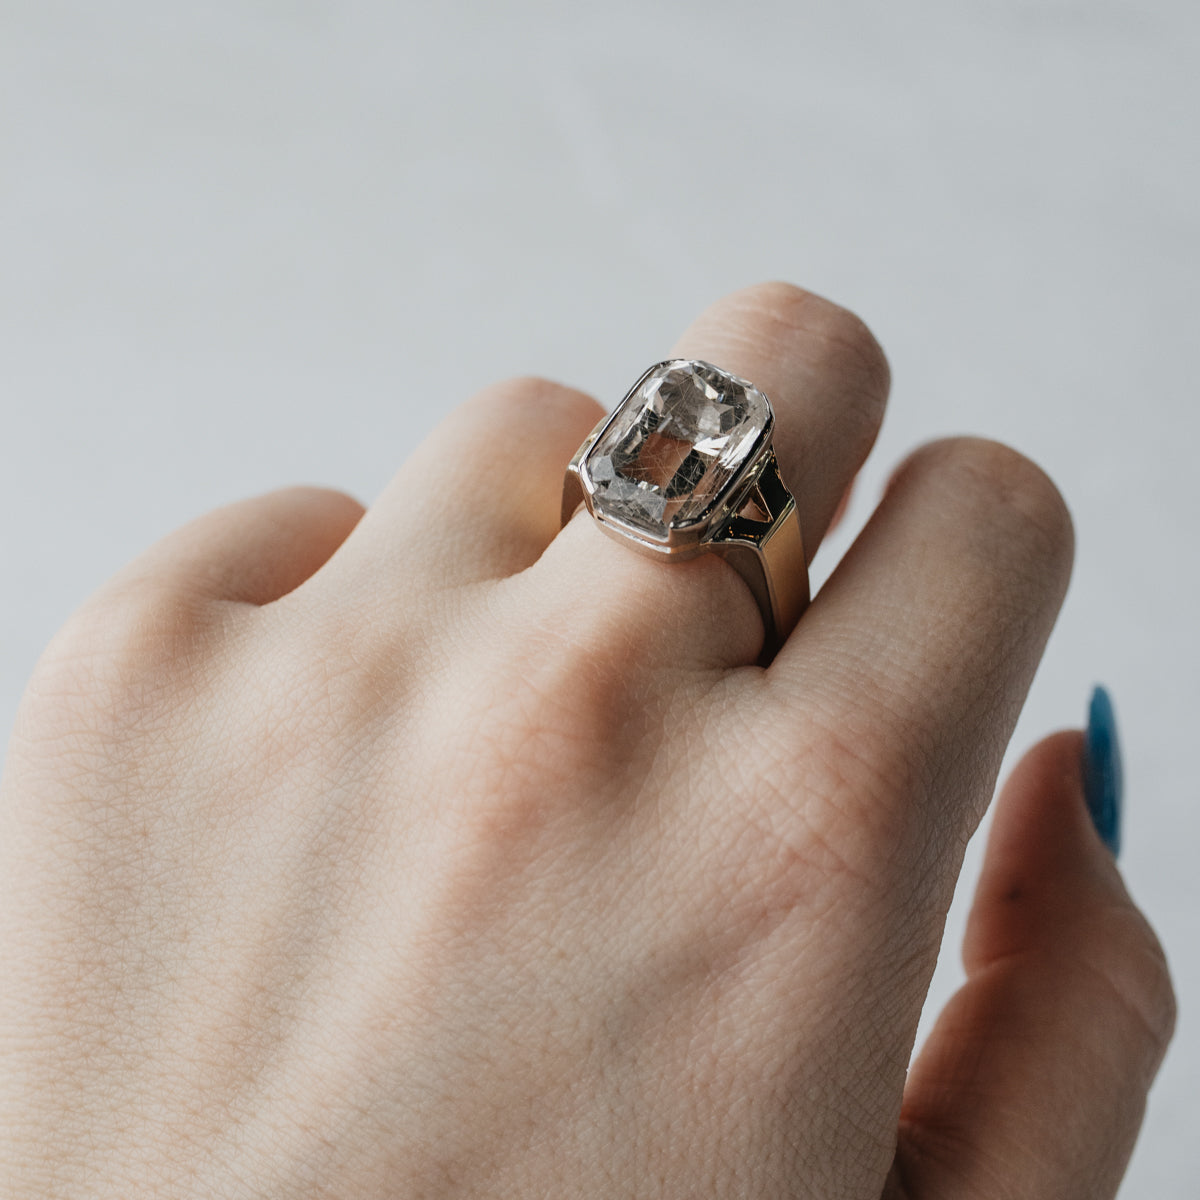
{"x": 325, "y": 501}
{"x": 860, "y": 781}
{"x": 532, "y": 398}
{"x": 821, "y": 828}
{"x": 144, "y": 622}
{"x": 124, "y": 647}
{"x": 843, "y": 789}
{"x": 999, "y": 489}
{"x": 100, "y": 717}
{"x": 541, "y": 703}
{"x": 525, "y": 754}
{"x": 838, "y": 340}
{"x": 1133, "y": 962}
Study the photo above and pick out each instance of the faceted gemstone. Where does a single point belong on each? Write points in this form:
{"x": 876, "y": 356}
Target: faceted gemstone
{"x": 673, "y": 446}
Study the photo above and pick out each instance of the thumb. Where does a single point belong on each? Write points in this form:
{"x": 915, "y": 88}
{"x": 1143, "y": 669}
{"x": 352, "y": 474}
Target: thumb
{"x": 1034, "y": 1080}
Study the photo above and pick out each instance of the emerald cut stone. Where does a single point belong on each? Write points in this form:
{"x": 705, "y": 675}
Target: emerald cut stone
{"x": 673, "y": 447}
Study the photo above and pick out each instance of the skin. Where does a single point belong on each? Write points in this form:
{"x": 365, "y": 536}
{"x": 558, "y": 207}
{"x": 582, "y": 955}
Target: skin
{"x": 435, "y": 852}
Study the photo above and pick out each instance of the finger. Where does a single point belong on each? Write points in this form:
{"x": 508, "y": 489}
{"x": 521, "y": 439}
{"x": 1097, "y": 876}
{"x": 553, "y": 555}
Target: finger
{"x": 883, "y": 719}
{"x": 827, "y": 380}
{"x": 481, "y": 497}
{"x": 1034, "y": 1081}
{"x": 908, "y": 671}
{"x": 251, "y": 552}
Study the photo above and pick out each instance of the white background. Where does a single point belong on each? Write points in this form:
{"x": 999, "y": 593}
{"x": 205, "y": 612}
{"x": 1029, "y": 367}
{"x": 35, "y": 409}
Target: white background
{"x": 247, "y": 242}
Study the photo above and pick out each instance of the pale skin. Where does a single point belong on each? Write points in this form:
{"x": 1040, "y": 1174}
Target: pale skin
{"x": 437, "y": 852}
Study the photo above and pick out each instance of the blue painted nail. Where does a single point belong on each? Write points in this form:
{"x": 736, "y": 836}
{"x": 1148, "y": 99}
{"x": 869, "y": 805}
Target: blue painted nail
{"x": 1103, "y": 783}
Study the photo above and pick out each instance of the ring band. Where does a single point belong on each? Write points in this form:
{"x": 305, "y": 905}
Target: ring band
{"x": 684, "y": 465}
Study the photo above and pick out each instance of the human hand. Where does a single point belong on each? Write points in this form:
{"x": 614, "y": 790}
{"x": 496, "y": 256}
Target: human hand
{"x": 443, "y": 853}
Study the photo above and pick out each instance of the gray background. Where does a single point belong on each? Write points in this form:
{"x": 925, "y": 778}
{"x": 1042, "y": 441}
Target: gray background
{"x": 247, "y": 242}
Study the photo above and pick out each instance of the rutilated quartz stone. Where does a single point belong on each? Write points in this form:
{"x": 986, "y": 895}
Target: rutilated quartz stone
{"x": 673, "y": 446}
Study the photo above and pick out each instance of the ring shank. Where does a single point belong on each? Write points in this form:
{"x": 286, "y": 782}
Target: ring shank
{"x": 769, "y": 556}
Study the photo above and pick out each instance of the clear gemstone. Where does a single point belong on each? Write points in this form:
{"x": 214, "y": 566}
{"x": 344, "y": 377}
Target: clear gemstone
{"x": 673, "y": 446}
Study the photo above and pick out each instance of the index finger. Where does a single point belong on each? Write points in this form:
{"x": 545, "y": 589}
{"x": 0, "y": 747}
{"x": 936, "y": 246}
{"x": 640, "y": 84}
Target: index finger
{"x": 911, "y": 666}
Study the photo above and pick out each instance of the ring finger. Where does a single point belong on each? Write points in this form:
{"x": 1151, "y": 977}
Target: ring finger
{"x": 827, "y": 380}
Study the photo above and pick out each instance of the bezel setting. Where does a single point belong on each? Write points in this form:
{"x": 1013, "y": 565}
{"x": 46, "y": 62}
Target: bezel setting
{"x": 697, "y": 473}
{"x": 718, "y": 439}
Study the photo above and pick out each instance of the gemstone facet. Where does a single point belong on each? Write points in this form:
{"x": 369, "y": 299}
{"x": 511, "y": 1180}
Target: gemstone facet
{"x": 673, "y": 446}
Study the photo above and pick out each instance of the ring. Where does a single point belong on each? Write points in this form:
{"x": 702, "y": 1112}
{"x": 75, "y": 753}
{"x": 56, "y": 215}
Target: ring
{"x": 683, "y": 466}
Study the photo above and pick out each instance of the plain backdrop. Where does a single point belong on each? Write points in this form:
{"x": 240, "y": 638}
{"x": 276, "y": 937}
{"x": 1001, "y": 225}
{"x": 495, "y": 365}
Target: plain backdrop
{"x": 245, "y": 243}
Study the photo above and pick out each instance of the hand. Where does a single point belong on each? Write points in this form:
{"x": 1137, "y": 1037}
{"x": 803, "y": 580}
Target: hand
{"x": 442, "y": 853}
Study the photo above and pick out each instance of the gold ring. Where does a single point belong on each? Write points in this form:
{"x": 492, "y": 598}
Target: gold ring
{"x": 683, "y": 466}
